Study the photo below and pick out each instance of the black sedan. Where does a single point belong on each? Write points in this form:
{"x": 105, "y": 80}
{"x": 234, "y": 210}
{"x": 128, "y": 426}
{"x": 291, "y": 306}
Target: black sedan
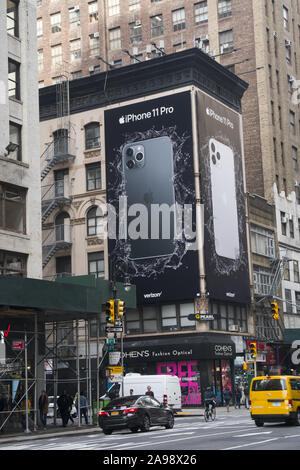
{"x": 135, "y": 412}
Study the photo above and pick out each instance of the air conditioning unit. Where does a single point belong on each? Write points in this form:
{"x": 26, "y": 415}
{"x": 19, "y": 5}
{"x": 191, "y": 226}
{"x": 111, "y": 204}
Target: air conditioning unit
{"x": 275, "y": 35}
{"x": 149, "y": 49}
{"x": 135, "y": 50}
{"x": 224, "y": 47}
{"x": 91, "y": 68}
{"x": 161, "y": 44}
{"x": 284, "y": 219}
{"x": 288, "y": 43}
{"x": 138, "y": 23}
{"x": 96, "y": 34}
{"x": 234, "y": 328}
{"x": 76, "y": 8}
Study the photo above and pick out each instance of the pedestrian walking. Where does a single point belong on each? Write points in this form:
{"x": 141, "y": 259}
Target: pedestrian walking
{"x": 238, "y": 396}
{"x": 131, "y": 392}
{"x": 43, "y": 407}
{"x": 246, "y": 393}
{"x": 64, "y": 404}
{"x": 149, "y": 392}
{"x": 83, "y": 407}
{"x": 227, "y": 397}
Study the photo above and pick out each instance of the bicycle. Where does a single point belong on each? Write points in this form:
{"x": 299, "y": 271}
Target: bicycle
{"x": 210, "y": 412}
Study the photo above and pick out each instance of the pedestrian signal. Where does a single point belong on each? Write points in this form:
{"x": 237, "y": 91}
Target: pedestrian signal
{"x": 110, "y": 312}
{"x": 253, "y": 350}
{"x": 275, "y": 312}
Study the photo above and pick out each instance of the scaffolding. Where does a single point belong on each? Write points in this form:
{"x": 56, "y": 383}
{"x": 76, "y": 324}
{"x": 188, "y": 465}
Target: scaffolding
{"x": 27, "y": 372}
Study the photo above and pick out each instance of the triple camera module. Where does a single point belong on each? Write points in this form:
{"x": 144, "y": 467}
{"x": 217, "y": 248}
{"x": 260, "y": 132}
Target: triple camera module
{"x": 213, "y": 157}
{"x": 135, "y": 155}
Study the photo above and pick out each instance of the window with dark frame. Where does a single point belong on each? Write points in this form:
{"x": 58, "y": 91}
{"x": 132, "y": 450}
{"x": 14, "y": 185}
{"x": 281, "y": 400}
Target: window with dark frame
{"x": 92, "y": 135}
{"x": 157, "y": 26}
{"x": 201, "y": 12}
{"x": 12, "y": 17}
{"x": 136, "y": 33}
{"x": 15, "y": 137}
{"x": 224, "y": 8}
{"x": 12, "y": 208}
{"x": 228, "y": 315}
{"x": 14, "y": 79}
{"x": 13, "y": 264}
{"x": 96, "y": 264}
{"x": 94, "y": 219}
{"x": 178, "y": 19}
{"x": 93, "y": 176}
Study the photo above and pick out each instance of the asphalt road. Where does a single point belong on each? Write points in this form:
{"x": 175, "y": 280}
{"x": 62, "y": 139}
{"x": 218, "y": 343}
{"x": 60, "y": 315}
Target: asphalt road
{"x": 189, "y": 433}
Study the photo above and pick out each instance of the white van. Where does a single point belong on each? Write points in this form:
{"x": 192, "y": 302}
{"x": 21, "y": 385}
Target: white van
{"x": 166, "y": 388}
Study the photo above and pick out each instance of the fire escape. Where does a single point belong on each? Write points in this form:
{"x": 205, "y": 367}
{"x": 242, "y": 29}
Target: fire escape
{"x": 56, "y": 194}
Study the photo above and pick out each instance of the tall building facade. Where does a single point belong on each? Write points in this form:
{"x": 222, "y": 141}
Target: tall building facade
{"x": 20, "y": 226}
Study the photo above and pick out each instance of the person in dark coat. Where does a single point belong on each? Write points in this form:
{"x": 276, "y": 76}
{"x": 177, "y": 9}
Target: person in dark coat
{"x": 227, "y": 397}
{"x": 149, "y": 391}
{"x": 238, "y": 396}
{"x": 43, "y": 407}
{"x": 64, "y": 404}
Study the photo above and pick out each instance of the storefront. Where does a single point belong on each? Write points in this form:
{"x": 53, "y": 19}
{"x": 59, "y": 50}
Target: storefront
{"x": 199, "y": 360}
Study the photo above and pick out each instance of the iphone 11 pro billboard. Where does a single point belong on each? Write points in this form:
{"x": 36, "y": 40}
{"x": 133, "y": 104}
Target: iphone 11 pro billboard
{"x": 223, "y": 195}
{"x": 151, "y": 198}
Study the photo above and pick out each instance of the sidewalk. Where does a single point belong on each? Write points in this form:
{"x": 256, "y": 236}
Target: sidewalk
{"x": 59, "y": 431}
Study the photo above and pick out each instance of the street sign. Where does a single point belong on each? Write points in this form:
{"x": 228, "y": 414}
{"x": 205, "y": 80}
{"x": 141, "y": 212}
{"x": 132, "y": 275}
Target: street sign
{"x": 116, "y": 370}
{"x": 113, "y": 329}
{"x": 18, "y": 345}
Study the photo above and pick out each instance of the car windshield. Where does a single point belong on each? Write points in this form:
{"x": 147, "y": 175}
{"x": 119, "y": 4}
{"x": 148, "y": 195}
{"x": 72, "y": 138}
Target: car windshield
{"x": 121, "y": 402}
{"x": 268, "y": 385}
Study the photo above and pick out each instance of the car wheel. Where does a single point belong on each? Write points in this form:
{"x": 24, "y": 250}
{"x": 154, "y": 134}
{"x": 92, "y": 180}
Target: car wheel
{"x": 134, "y": 429}
{"x": 107, "y": 431}
{"x": 170, "y": 423}
{"x": 259, "y": 423}
{"x": 146, "y": 424}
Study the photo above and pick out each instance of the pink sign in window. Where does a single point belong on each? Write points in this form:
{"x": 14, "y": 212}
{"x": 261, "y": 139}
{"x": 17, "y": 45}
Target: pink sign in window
{"x": 190, "y": 389}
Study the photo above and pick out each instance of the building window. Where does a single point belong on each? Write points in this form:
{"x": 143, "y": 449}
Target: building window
{"x": 94, "y": 221}
{"x": 93, "y": 176}
{"x": 135, "y": 32}
{"x": 296, "y": 271}
{"x": 285, "y": 18}
{"x": 224, "y": 8}
{"x": 74, "y": 15}
{"x": 55, "y": 20}
{"x": 15, "y": 132}
{"x": 262, "y": 280}
{"x": 292, "y": 123}
{"x": 201, "y": 12}
{"x": 226, "y": 41}
{"x": 75, "y": 48}
{"x": 157, "y": 27}
{"x": 96, "y": 263}
{"x": 178, "y": 19}
{"x": 134, "y": 4}
{"x": 39, "y": 27}
{"x": 12, "y": 17}
{"x": 288, "y": 54}
{"x": 94, "y": 45}
{"x": 297, "y": 297}
{"x": 169, "y": 318}
{"x": 13, "y": 264}
{"x": 13, "y": 79}
{"x": 113, "y": 7}
{"x": 150, "y": 318}
{"x": 93, "y": 12}
{"x": 56, "y": 54}
{"x": 288, "y": 301}
{"x": 40, "y": 60}
{"x": 262, "y": 241}
{"x": 63, "y": 266}
{"x": 295, "y": 158}
{"x": 227, "y": 316}
{"x": 12, "y": 208}
{"x": 115, "y": 38}
{"x": 184, "y": 311}
{"x": 291, "y": 226}
{"x": 77, "y": 74}
{"x": 92, "y": 135}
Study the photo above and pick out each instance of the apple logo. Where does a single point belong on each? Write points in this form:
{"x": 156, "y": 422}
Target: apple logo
{"x": 122, "y": 120}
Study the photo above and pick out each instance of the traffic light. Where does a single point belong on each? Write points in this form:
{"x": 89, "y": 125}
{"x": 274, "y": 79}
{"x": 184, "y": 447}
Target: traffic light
{"x": 253, "y": 350}
{"x": 275, "y": 312}
{"x": 110, "y": 312}
{"x": 120, "y": 308}
{"x": 245, "y": 367}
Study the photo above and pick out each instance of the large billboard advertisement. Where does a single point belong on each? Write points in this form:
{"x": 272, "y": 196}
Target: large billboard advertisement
{"x": 223, "y": 195}
{"x": 151, "y": 197}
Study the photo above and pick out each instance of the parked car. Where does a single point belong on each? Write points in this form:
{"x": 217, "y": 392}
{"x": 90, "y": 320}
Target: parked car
{"x": 135, "y": 412}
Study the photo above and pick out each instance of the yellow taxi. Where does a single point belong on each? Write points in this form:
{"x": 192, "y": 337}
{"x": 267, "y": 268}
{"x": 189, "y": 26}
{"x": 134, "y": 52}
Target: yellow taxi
{"x": 274, "y": 399}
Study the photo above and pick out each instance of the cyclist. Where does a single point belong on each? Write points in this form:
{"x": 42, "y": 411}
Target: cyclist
{"x": 210, "y": 398}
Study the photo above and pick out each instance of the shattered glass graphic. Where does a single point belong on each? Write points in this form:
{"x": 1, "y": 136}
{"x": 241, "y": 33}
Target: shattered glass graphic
{"x": 224, "y": 266}
{"x": 184, "y": 194}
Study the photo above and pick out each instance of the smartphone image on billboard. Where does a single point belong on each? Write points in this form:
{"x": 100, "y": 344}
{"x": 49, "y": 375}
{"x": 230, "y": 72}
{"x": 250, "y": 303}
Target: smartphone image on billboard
{"x": 148, "y": 170}
{"x": 224, "y": 203}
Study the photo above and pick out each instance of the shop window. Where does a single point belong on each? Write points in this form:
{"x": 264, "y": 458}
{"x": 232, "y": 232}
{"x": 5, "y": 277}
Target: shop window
{"x": 169, "y": 317}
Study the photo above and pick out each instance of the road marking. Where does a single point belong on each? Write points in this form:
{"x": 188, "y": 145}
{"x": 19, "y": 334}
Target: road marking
{"x": 254, "y": 434}
{"x": 252, "y": 444}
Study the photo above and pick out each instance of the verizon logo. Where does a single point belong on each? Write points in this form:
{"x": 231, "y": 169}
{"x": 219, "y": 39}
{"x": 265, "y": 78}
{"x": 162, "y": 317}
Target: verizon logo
{"x": 152, "y": 295}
